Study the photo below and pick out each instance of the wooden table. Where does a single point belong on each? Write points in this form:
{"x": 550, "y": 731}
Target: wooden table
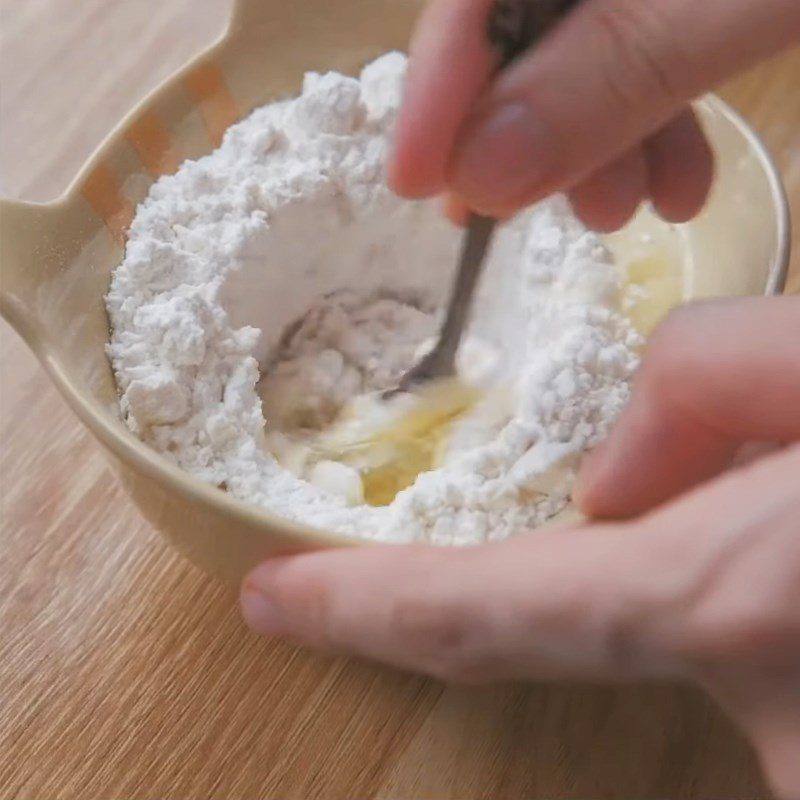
{"x": 126, "y": 674}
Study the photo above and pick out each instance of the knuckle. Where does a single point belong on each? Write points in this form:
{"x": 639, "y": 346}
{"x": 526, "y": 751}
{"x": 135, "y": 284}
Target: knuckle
{"x": 623, "y": 637}
{"x": 440, "y": 638}
{"x": 637, "y": 57}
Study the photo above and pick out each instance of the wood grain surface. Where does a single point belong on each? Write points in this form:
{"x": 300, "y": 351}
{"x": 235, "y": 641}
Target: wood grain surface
{"x": 126, "y": 674}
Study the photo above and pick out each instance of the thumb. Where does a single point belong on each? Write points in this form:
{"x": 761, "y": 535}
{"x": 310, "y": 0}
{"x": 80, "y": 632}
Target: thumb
{"x": 545, "y": 605}
{"x": 613, "y": 74}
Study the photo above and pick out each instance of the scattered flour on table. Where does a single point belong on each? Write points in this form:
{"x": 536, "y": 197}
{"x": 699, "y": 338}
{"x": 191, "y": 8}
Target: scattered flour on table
{"x": 284, "y": 254}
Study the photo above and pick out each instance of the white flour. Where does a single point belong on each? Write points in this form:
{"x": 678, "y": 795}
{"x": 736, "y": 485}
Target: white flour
{"x": 290, "y": 220}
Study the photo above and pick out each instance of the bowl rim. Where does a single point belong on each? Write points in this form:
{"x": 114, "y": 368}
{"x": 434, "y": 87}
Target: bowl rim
{"x": 150, "y": 464}
{"x": 778, "y": 272}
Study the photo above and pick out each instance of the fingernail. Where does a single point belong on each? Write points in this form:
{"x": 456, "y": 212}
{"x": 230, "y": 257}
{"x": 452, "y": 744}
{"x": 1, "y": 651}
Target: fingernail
{"x": 505, "y": 156}
{"x": 579, "y": 493}
{"x": 582, "y": 494}
{"x": 259, "y": 612}
{"x": 581, "y": 498}
{"x": 455, "y": 210}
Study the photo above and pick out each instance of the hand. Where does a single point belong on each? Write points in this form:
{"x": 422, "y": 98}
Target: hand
{"x": 702, "y": 585}
{"x": 598, "y": 109}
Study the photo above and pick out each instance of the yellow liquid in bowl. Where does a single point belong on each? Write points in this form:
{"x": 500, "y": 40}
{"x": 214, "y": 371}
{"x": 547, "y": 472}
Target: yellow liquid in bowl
{"x": 395, "y": 453}
{"x": 657, "y": 265}
{"x": 390, "y": 455}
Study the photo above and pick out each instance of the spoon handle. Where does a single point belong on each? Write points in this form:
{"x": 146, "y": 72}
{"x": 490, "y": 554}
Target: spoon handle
{"x": 516, "y": 25}
{"x": 512, "y": 28}
{"x": 440, "y": 362}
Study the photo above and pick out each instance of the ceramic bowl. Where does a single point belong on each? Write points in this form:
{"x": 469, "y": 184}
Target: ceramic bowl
{"x": 56, "y": 258}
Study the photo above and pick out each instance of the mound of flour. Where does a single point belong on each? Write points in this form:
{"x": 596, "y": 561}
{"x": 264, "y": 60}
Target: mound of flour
{"x": 283, "y": 253}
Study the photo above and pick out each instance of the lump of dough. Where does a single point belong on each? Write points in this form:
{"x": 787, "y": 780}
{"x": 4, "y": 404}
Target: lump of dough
{"x": 338, "y": 479}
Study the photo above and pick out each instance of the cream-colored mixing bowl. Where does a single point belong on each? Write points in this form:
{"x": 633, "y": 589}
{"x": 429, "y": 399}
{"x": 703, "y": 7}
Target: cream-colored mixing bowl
{"x": 56, "y": 259}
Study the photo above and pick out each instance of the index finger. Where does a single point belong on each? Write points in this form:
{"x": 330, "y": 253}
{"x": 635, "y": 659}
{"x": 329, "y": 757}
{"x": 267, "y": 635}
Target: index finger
{"x": 449, "y": 68}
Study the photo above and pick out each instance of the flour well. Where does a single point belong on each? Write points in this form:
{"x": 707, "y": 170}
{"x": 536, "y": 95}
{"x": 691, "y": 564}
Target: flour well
{"x": 283, "y": 254}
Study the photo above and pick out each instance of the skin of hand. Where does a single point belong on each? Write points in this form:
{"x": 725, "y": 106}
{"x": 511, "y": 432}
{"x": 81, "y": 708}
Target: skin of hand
{"x": 700, "y": 581}
{"x": 598, "y": 109}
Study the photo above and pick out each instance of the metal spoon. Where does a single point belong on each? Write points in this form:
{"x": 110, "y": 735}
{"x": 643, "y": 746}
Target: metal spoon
{"x": 513, "y": 27}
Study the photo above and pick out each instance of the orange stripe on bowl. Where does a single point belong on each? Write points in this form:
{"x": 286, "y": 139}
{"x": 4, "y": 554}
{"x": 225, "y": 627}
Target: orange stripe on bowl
{"x": 208, "y": 89}
{"x": 151, "y": 140}
{"x": 103, "y": 192}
